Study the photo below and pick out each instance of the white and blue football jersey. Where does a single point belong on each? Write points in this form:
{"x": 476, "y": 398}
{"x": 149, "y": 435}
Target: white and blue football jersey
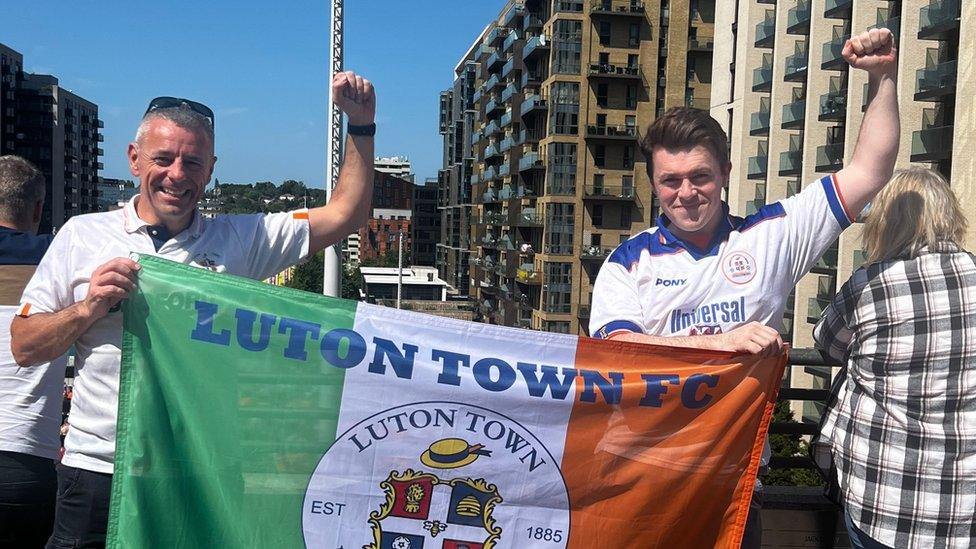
{"x": 656, "y": 284}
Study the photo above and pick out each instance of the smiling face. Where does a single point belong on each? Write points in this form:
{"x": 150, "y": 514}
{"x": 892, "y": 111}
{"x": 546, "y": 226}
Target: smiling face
{"x": 689, "y": 183}
{"x": 173, "y": 165}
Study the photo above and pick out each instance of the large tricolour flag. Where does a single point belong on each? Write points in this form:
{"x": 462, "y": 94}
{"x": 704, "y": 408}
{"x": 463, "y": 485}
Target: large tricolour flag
{"x": 258, "y": 416}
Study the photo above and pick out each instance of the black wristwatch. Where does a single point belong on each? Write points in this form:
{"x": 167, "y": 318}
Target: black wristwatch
{"x": 367, "y": 130}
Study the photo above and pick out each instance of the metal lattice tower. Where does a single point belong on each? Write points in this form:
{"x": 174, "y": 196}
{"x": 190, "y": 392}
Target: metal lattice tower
{"x": 332, "y": 275}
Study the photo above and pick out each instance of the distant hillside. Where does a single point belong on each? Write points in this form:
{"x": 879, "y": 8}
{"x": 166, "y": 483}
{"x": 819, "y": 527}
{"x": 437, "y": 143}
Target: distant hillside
{"x": 261, "y": 197}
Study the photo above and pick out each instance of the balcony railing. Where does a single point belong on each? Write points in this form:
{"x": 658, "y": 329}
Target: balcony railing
{"x": 508, "y": 92}
{"x": 528, "y": 136}
{"x": 531, "y": 161}
{"x": 536, "y": 43}
{"x": 938, "y": 17}
{"x": 838, "y": 9}
{"x": 507, "y": 143}
{"x": 528, "y": 219}
{"x": 701, "y": 44}
{"x": 491, "y": 151}
{"x": 796, "y": 67}
{"x": 794, "y": 114}
{"x": 765, "y": 31}
{"x": 757, "y": 166}
{"x": 533, "y": 102}
{"x": 508, "y": 67}
{"x": 832, "y": 58}
{"x": 833, "y": 106}
{"x": 830, "y": 157}
{"x": 798, "y": 19}
{"x": 790, "y": 162}
{"x": 509, "y": 42}
{"x": 935, "y": 81}
{"x": 762, "y": 78}
{"x": 572, "y": 6}
{"x": 595, "y": 253}
{"x": 506, "y": 118}
{"x": 932, "y": 144}
{"x": 612, "y": 132}
{"x": 615, "y": 71}
{"x": 610, "y": 192}
{"x": 759, "y": 123}
{"x": 625, "y": 7}
{"x": 815, "y": 308}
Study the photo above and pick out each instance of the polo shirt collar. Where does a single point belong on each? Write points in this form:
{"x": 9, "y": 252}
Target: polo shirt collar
{"x": 669, "y": 240}
{"x": 131, "y": 221}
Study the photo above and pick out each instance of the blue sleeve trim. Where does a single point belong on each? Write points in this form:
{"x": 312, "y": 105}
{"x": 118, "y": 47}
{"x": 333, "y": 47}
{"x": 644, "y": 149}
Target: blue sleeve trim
{"x": 609, "y": 328}
{"x": 769, "y": 211}
{"x": 835, "y": 202}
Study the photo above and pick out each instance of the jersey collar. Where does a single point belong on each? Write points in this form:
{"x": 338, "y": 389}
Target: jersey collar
{"x": 668, "y": 239}
{"x": 131, "y": 221}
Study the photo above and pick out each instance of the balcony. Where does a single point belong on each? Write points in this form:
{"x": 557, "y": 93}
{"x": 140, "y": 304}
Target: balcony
{"x": 494, "y": 35}
{"x": 493, "y": 104}
{"x": 532, "y": 161}
{"x": 492, "y": 128}
{"x": 766, "y": 32}
{"x": 504, "y": 171}
{"x": 762, "y": 78}
{"x": 932, "y": 144}
{"x": 838, "y": 9}
{"x": 531, "y": 78}
{"x": 759, "y": 123}
{"x": 506, "y": 118}
{"x": 625, "y": 193}
{"x": 507, "y": 143}
{"x": 794, "y": 115}
{"x": 939, "y": 19}
{"x": 531, "y": 21}
{"x": 528, "y": 275}
{"x": 494, "y": 61}
{"x": 489, "y": 174}
{"x": 796, "y": 67}
{"x": 491, "y": 151}
{"x": 833, "y": 106}
{"x": 493, "y": 82}
{"x": 475, "y": 137}
{"x": 512, "y": 14}
{"x": 528, "y": 136}
{"x": 595, "y": 253}
{"x": 533, "y": 102}
{"x": 830, "y": 157}
{"x": 706, "y": 44}
{"x": 625, "y": 8}
{"x": 935, "y": 81}
{"x": 757, "y": 166}
{"x": 476, "y": 96}
{"x": 832, "y": 59}
{"x": 815, "y": 308}
{"x": 798, "y": 19}
{"x": 509, "y": 42}
{"x": 615, "y": 71}
{"x": 619, "y": 133}
{"x": 509, "y": 92}
{"x": 790, "y": 162}
{"x": 535, "y": 44}
{"x": 528, "y": 218}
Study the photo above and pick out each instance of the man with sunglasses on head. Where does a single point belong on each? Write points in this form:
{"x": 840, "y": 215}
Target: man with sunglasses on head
{"x": 74, "y": 294}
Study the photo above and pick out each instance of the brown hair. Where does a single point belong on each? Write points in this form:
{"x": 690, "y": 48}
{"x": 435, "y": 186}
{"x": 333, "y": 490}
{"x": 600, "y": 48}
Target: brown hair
{"x": 685, "y": 128}
{"x": 916, "y": 208}
{"x": 21, "y": 187}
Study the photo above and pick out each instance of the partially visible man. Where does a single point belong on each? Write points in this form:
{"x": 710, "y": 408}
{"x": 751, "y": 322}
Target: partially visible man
{"x": 73, "y": 295}
{"x": 30, "y": 398}
{"x": 705, "y": 279}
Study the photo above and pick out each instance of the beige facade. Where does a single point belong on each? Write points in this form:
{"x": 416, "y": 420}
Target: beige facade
{"x": 793, "y": 109}
{"x": 562, "y": 90}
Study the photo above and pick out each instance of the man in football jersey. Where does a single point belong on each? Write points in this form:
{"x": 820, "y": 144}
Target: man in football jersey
{"x": 703, "y": 278}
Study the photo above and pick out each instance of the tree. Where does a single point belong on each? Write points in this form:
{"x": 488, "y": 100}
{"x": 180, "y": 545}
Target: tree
{"x": 308, "y": 274}
{"x": 789, "y": 446}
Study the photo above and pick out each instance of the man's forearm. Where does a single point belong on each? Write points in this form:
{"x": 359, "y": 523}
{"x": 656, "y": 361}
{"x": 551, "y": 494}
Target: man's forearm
{"x": 691, "y": 342}
{"x": 43, "y": 337}
{"x": 349, "y": 205}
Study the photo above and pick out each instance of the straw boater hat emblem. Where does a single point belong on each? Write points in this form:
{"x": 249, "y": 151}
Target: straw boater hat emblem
{"x": 451, "y": 453}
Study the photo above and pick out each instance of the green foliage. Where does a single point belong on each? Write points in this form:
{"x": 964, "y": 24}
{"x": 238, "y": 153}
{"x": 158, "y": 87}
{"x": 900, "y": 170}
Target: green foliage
{"x": 265, "y": 197}
{"x": 352, "y": 282}
{"x": 789, "y": 446}
{"x": 308, "y": 274}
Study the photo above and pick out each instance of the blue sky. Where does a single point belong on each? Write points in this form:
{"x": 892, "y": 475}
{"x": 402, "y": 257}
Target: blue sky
{"x": 260, "y": 66}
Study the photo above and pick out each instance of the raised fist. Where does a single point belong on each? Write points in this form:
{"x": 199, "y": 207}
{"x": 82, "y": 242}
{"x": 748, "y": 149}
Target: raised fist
{"x": 354, "y": 96}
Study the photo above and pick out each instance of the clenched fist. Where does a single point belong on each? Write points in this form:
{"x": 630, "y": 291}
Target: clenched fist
{"x": 354, "y": 95}
{"x": 873, "y": 51}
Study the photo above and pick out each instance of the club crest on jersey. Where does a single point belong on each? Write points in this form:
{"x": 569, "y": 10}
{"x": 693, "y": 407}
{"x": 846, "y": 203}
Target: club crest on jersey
{"x": 739, "y": 267}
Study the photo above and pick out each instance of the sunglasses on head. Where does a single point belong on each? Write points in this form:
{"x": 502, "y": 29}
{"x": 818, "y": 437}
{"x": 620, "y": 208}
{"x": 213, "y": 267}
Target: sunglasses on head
{"x": 170, "y": 102}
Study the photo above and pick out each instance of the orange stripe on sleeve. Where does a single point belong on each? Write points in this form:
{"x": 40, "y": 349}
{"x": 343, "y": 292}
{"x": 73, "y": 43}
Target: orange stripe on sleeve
{"x": 299, "y": 215}
{"x": 24, "y": 309}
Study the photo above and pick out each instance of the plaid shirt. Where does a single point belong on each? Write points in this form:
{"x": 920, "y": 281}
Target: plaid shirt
{"x": 901, "y": 424}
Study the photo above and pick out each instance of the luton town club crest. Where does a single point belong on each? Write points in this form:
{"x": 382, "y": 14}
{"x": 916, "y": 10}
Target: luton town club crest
{"x": 436, "y": 475}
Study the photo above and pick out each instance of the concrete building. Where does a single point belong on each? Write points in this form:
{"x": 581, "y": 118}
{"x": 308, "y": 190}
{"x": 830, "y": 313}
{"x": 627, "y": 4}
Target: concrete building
{"x": 114, "y": 193}
{"x": 394, "y": 165}
{"x": 425, "y": 224}
{"x": 793, "y": 107}
{"x": 419, "y": 283}
{"x": 55, "y": 129}
{"x": 542, "y": 174}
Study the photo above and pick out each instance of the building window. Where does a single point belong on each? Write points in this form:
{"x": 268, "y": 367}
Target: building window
{"x": 565, "y": 108}
{"x": 628, "y": 160}
{"x": 634, "y": 39}
{"x": 561, "y": 172}
{"x": 597, "y": 216}
{"x": 559, "y": 229}
{"x": 602, "y": 92}
{"x": 558, "y": 287}
{"x": 568, "y": 43}
{"x": 604, "y": 32}
{"x": 600, "y": 156}
{"x": 625, "y": 217}
{"x": 631, "y": 97}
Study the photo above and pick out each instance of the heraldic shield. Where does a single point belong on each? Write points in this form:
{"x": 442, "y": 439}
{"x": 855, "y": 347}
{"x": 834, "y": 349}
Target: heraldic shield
{"x": 423, "y": 511}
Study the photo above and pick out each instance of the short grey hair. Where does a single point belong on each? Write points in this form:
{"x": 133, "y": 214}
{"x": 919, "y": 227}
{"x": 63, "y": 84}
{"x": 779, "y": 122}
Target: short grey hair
{"x": 183, "y": 116}
{"x": 21, "y": 187}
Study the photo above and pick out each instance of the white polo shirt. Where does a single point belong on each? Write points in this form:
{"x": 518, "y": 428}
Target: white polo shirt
{"x": 656, "y": 284}
{"x": 256, "y": 246}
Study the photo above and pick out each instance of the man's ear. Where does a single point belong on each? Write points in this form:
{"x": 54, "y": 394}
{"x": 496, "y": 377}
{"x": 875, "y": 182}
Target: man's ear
{"x": 133, "y": 154}
{"x": 36, "y": 214}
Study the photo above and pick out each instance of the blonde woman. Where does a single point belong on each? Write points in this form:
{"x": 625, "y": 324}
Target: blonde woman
{"x": 901, "y": 425}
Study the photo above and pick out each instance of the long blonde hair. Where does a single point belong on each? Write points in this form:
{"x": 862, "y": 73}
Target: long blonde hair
{"x": 916, "y": 208}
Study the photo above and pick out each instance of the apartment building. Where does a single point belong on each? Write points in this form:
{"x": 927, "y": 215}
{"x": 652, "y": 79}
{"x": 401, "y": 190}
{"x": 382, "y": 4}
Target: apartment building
{"x": 542, "y": 174}
{"x": 55, "y": 129}
{"x": 793, "y": 109}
